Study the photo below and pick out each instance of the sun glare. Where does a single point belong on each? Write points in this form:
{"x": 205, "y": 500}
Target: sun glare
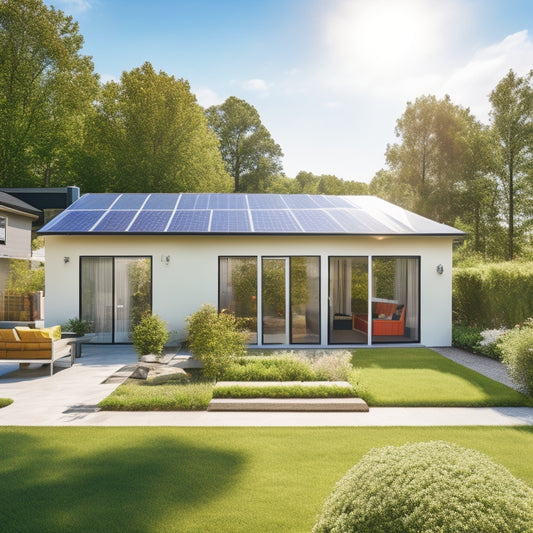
{"x": 372, "y": 36}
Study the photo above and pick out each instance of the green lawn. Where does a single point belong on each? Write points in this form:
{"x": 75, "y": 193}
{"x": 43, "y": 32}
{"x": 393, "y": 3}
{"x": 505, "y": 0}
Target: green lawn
{"x": 421, "y": 377}
{"x": 162, "y": 479}
{"x": 4, "y": 402}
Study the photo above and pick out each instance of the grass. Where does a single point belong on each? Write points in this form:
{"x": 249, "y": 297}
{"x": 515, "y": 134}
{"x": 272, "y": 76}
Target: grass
{"x": 278, "y": 391}
{"x": 156, "y": 396}
{"x": 4, "y": 402}
{"x": 162, "y": 479}
{"x": 416, "y": 377}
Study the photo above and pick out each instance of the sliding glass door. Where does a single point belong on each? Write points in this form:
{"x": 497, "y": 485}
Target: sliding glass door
{"x": 115, "y": 293}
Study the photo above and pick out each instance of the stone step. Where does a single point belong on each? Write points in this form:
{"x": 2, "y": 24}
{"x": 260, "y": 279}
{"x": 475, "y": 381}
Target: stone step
{"x": 289, "y": 404}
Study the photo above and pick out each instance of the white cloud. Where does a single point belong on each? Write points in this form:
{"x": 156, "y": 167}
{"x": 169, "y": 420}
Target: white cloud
{"x": 471, "y": 84}
{"x": 207, "y": 97}
{"x": 256, "y": 85}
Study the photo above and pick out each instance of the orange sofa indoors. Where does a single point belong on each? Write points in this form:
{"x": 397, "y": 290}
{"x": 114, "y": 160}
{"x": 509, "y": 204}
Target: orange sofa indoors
{"x": 382, "y": 326}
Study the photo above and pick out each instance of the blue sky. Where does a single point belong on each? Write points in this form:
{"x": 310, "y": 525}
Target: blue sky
{"x": 328, "y": 77}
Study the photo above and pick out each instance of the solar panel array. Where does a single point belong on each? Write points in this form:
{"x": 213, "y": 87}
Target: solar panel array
{"x": 191, "y": 213}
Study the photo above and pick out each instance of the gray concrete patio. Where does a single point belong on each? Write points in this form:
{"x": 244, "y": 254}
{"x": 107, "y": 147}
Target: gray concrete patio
{"x": 71, "y": 395}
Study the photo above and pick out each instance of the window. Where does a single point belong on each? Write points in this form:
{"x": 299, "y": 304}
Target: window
{"x": 115, "y": 293}
{"x": 238, "y": 290}
{"x": 3, "y": 226}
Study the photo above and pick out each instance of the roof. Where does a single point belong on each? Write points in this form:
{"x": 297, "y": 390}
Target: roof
{"x": 14, "y": 204}
{"x": 239, "y": 214}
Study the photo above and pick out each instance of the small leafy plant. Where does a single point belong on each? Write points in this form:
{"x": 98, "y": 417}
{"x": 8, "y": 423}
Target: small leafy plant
{"x": 78, "y": 326}
{"x": 150, "y": 335}
{"x": 517, "y": 354}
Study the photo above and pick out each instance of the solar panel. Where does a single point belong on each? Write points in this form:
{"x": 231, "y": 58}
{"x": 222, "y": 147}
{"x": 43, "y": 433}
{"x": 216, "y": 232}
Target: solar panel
{"x": 316, "y": 221}
{"x": 266, "y": 201}
{"x": 299, "y": 201}
{"x": 338, "y": 201}
{"x": 227, "y": 201}
{"x": 194, "y": 201}
{"x": 130, "y": 201}
{"x": 115, "y": 221}
{"x": 190, "y": 221}
{"x": 161, "y": 201}
{"x": 94, "y": 201}
{"x": 274, "y": 221}
{"x": 75, "y": 221}
{"x": 227, "y": 221}
{"x": 151, "y": 222}
{"x": 240, "y": 213}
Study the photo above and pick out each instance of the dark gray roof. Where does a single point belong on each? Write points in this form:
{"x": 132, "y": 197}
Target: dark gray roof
{"x": 239, "y": 214}
{"x": 11, "y": 202}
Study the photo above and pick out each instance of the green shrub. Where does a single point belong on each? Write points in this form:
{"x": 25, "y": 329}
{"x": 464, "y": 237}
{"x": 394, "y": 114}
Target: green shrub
{"x": 280, "y": 391}
{"x": 466, "y": 337}
{"x": 215, "y": 339}
{"x": 428, "y": 487}
{"x": 78, "y": 326}
{"x": 517, "y": 354}
{"x": 282, "y": 367}
{"x": 150, "y": 335}
{"x": 493, "y": 295}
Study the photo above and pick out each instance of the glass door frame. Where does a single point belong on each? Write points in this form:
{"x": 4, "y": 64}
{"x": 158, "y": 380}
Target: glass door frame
{"x": 114, "y": 289}
{"x": 286, "y": 259}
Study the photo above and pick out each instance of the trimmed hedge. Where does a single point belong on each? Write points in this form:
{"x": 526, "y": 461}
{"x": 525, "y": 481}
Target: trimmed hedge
{"x": 493, "y": 295}
{"x": 279, "y": 391}
{"x": 4, "y": 402}
{"x": 427, "y": 487}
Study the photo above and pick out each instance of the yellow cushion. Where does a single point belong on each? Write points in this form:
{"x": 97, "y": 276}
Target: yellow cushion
{"x": 55, "y": 332}
{"x": 8, "y": 335}
{"x": 33, "y": 335}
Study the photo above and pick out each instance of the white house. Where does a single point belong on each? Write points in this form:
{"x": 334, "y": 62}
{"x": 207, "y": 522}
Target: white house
{"x": 301, "y": 270}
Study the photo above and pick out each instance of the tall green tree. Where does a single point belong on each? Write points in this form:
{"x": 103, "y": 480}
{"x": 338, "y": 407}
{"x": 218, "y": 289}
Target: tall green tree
{"x": 46, "y": 88}
{"x": 309, "y": 183}
{"x": 148, "y": 134}
{"x": 512, "y": 124}
{"x": 251, "y": 155}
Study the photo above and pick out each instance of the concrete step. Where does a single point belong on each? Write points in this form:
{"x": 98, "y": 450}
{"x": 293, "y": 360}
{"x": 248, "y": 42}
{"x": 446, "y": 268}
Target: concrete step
{"x": 289, "y": 404}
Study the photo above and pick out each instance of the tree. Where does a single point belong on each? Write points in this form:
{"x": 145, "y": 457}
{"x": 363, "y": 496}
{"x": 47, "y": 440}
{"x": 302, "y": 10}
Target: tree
{"x": 251, "y": 156}
{"x": 308, "y": 183}
{"x": 148, "y": 134}
{"x": 46, "y": 87}
{"x": 512, "y": 123}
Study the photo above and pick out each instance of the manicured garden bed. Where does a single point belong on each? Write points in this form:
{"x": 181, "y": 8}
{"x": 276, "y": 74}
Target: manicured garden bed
{"x": 202, "y": 479}
{"x": 419, "y": 377}
{"x": 279, "y": 391}
{"x": 4, "y": 402}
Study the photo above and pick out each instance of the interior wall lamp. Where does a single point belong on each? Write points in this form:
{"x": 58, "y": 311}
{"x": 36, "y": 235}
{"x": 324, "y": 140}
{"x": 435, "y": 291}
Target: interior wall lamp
{"x": 66, "y": 260}
{"x": 440, "y": 269}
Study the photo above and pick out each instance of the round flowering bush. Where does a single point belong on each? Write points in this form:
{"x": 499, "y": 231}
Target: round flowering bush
{"x": 427, "y": 487}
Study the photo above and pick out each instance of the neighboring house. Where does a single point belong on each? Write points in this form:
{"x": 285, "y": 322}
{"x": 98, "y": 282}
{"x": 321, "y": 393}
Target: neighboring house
{"x": 300, "y": 270}
{"x": 16, "y": 218}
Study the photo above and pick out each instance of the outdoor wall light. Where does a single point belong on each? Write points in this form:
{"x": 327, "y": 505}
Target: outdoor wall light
{"x": 440, "y": 269}
{"x": 66, "y": 259}
{"x": 165, "y": 259}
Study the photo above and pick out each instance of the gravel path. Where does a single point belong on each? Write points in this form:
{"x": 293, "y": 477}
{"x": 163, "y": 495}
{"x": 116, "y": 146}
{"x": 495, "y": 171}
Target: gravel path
{"x": 484, "y": 365}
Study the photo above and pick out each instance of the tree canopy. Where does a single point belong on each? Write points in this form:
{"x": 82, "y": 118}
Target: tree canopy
{"x": 148, "y": 134}
{"x": 46, "y": 89}
{"x": 251, "y": 155}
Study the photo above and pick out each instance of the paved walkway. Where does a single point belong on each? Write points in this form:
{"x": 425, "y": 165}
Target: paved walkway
{"x": 70, "y": 396}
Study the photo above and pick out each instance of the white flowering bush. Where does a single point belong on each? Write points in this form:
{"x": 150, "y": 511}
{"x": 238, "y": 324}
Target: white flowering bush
{"x": 491, "y": 336}
{"x": 427, "y": 487}
{"x": 329, "y": 366}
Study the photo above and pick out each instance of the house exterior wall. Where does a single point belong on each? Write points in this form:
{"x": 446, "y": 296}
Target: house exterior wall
{"x": 18, "y": 236}
{"x": 190, "y": 278}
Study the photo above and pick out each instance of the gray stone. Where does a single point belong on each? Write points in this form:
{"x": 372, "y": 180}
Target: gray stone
{"x": 150, "y": 358}
{"x": 140, "y": 372}
{"x": 166, "y": 371}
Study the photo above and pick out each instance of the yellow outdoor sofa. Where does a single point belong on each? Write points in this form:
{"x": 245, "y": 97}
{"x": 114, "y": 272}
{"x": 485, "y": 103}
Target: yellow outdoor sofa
{"x": 24, "y": 345}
